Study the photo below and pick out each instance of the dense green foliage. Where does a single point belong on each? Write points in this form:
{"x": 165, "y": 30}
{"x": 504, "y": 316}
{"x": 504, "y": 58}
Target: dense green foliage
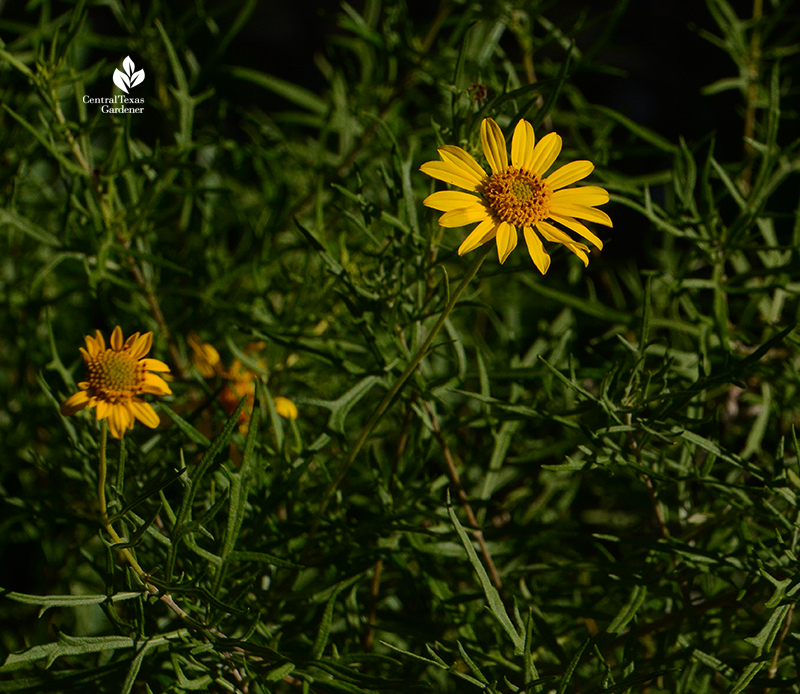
{"x": 623, "y": 435}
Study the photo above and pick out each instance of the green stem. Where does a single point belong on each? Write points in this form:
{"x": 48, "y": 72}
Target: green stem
{"x": 398, "y": 384}
{"x": 101, "y": 475}
{"x": 143, "y": 576}
{"x": 101, "y": 498}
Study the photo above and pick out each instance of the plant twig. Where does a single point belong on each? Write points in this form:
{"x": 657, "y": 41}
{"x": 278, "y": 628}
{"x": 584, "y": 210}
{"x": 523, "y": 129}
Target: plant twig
{"x": 773, "y": 666}
{"x": 375, "y": 586}
{"x": 752, "y": 93}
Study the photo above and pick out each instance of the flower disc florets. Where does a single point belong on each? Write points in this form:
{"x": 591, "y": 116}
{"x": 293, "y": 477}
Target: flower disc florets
{"x": 518, "y": 197}
{"x": 115, "y": 375}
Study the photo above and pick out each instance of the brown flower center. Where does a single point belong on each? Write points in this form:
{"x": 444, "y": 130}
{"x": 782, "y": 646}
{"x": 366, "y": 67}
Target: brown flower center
{"x": 518, "y": 197}
{"x": 115, "y": 375}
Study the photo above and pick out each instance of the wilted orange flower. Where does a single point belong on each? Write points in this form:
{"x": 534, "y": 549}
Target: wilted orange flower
{"x": 241, "y": 381}
{"x": 116, "y": 377}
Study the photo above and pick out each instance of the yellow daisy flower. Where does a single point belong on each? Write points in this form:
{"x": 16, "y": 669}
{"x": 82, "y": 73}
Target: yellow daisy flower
{"x": 117, "y": 375}
{"x": 517, "y": 195}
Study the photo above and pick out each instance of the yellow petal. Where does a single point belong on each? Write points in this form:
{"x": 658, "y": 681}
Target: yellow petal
{"x": 569, "y": 173}
{"x": 83, "y": 385}
{"x": 522, "y": 145}
{"x": 506, "y": 240}
{"x": 75, "y": 403}
{"x": 459, "y": 157}
{"x": 142, "y": 345}
{"x": 555, "y": 235}
{"x": 285, "y": 408}
{"x": 154, "y": 365}
{"x": 485, "y": 231}
{"x": 578, "y": 228}
{"x": 585, "y": 195}
{"x": 131, "y": 339}
{"x": 101, "y": 343}
{"x": 545, "y": 153}
{"x": 144, "y": 413}
{"x": 118, "y": 420}
{"x": 581, "y": 212}
{"x": 92, "y": 349}
{"x": 103, "y": 409}
{"x": 536, "y": 249}
{"x": 467, "y": 215}
{"x": 446, "y": 200}
{"x": 494, "y": 145}
{"x": 129, "y": 413}
{"x": 155, "y": 385}
{"x": 116, "y": 339}
{"x": 451, "y": 173}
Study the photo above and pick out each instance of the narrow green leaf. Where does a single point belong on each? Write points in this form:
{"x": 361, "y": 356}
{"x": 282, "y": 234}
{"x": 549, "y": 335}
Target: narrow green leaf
{"x": 589, "y": 307}
{"x": 279, "y": 673}
{"x": 746, "y": 677}
{"x": 471, "y": 664}
{"x": 562, "y": 686}
{"x": 324, "y": 630}
{"x": 341, "y": 406}
{"x": 77, "y": 645}
{"x": 492, "y": 596}
{"x": 759, "y": 428}
{"x": 10, "y": 218}
{"x": 48, "y": 601}
{"x": 37, "y": 133}
{"x": 628, "y": 611}
{"x": 11, "y": 59}
{"x": 640, "y": 131}
{"x": 299, "y": 96}
{"x": 531, "y": 673}
{"x": 263, "y": 558}
{"x": 764, "y": 639}
{"x": 135, "y": 666}
{"x": 185, "y": 427}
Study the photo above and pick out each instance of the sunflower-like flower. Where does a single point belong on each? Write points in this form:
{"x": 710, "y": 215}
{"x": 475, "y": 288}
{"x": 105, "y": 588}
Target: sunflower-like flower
{"x": 116, "y": 377}
{"x": 517, "y": 195}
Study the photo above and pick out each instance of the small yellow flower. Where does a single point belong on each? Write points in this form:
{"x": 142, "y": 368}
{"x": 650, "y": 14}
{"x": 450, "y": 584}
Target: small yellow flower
{"x": 517, "y": 195}
{"x": 116, "y": 376}
{"x": 285, "y": 408}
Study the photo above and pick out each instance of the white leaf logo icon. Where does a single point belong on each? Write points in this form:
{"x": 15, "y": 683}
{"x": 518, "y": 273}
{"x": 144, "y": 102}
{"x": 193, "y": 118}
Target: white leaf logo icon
{"x": 129, "y": 78}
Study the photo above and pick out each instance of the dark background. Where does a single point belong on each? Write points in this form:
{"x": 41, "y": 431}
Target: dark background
{"x": 664, "y": 61}
{"x": 660, "y": 59}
